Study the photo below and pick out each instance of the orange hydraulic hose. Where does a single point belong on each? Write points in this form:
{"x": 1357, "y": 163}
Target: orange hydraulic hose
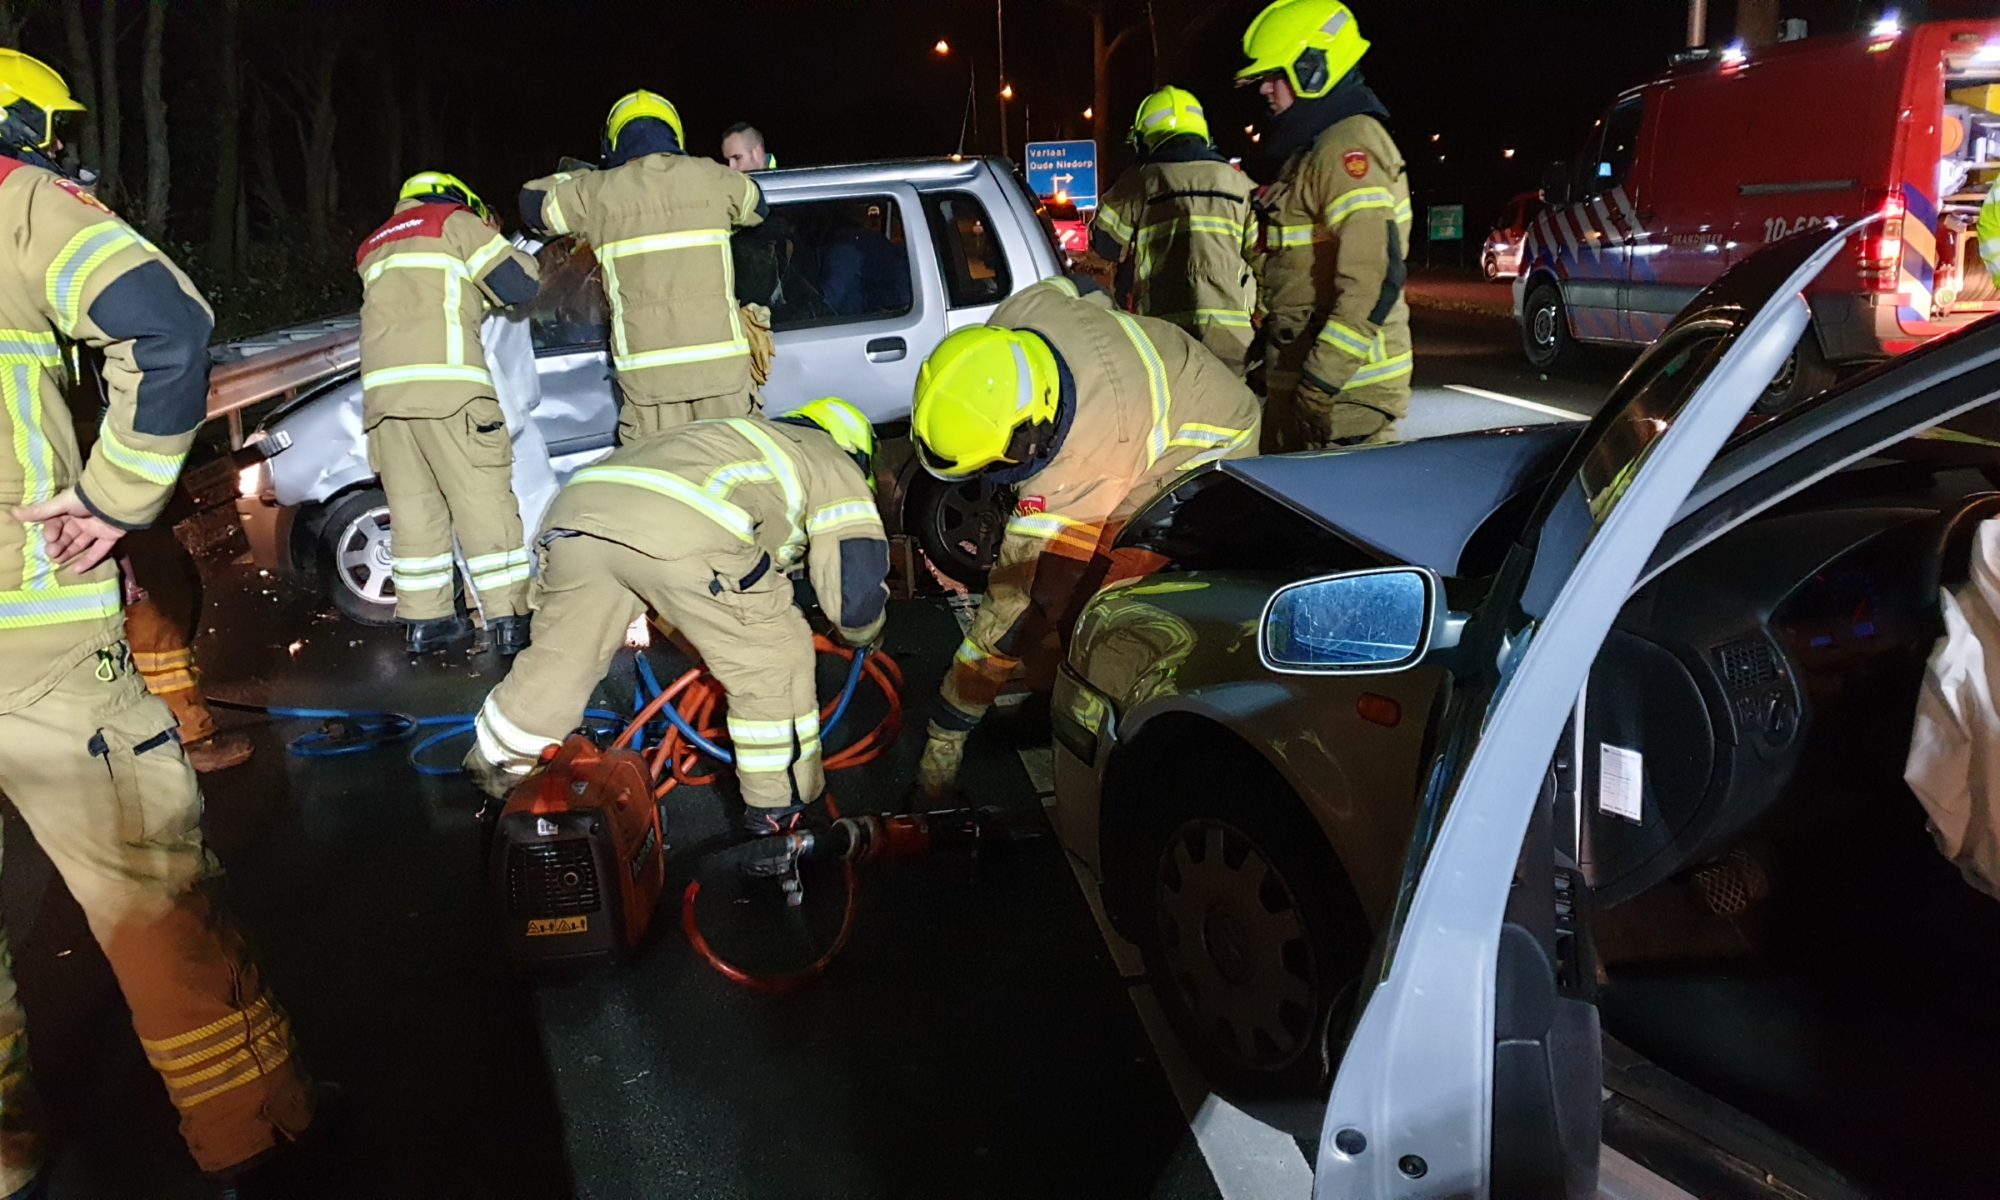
{"x": 697, "y": 696}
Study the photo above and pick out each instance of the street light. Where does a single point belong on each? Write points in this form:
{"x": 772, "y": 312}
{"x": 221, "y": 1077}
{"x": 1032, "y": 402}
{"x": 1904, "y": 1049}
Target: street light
{"x": 1089, "y": 114}
{"x": 942, "y": 48}
{"x": 1506, "y": 154}
{"x": 1006, "y": 91}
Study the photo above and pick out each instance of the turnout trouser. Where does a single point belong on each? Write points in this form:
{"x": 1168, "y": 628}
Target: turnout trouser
{"x": 165, "y": 660}
{"x": 94, "y": 769}
{"x": 638, "y": 421}
{"x": 751, "y": 634}
{"x": 447, "y": 476}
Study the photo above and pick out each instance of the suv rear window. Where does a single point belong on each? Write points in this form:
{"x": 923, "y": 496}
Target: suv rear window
{"x": 975, "y": 266}
{"x": 825, "y": 262}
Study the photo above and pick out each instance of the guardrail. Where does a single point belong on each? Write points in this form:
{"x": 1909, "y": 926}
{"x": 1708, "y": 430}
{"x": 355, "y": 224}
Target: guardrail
{"x": 235, "y": 386}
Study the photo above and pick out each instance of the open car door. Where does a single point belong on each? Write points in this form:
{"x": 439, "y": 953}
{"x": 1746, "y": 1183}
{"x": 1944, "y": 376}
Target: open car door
{"x": 1475, "y": 1067}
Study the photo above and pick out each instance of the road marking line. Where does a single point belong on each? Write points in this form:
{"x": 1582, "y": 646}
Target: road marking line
{"x": 1550, "y": 410}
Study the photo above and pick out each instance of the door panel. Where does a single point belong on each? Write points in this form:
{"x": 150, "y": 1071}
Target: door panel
{"x": 854, "y": 281}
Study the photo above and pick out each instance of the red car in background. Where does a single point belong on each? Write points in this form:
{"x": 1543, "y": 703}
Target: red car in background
{"x": 1072, "y": 228}
{"x": 1500, "y": 258}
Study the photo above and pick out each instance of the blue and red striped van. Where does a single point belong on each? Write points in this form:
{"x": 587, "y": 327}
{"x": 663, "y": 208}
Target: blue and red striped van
{"x": 1686, "y": 175}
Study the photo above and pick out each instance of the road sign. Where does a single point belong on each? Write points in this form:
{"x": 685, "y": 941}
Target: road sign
{"x": 1447, "y": 222}
{"x": 1065, "y": 169}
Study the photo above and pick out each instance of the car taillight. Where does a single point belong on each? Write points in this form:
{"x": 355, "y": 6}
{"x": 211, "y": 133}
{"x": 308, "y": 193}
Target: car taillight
{"x": 1882, "y": 245}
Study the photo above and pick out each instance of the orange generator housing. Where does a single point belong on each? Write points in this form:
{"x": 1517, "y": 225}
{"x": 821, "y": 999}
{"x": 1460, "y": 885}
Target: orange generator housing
{"x": 577, "y": 863}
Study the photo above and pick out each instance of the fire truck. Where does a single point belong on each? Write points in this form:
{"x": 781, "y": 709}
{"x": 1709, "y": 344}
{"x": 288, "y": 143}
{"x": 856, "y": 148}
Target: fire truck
{"x": 1732, "y": 149}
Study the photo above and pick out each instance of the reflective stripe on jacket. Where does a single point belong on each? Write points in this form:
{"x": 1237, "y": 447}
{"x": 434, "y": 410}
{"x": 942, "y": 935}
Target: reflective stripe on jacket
{"x": 1188, "y": 227}
{"x": 1334, "y": 237}
{"x": 660, "y": 226}
{"x": 76, "y": 273}
{"x": 427, "y": 277}
{"x": 782, "y": 489}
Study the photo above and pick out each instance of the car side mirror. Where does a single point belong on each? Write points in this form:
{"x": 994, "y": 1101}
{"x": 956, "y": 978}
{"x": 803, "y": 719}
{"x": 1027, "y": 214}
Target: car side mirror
{"x": 1556, "y": 185}
{"x": 1359, "y": 622}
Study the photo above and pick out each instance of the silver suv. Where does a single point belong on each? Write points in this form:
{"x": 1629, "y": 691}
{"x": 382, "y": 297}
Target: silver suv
{"x": 865, "y": 267}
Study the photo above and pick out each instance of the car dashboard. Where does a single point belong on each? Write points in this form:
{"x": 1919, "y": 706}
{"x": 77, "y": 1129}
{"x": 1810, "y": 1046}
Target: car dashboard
{"x": 1780, "y": 662}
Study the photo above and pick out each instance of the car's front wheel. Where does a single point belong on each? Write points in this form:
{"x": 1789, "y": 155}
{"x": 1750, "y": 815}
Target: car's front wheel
{"x": 1490, "y": 266}
{"x": 958, "y": 525}
{"x": 353, "y": 557}
{"x": 1250, "y": 931}
{"x": 1545, "y": 335}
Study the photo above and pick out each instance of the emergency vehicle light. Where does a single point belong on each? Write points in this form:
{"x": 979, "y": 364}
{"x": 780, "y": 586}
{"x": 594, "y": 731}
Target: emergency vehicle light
{"x": 1734, "y": 55}
{"x": 1891, "y": 25}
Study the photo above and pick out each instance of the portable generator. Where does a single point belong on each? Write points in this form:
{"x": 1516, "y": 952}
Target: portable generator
{"x": 578, "y": 865}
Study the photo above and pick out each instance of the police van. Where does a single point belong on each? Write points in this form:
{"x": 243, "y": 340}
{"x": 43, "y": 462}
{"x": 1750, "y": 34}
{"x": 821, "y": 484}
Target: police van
{"x": 1729, "y": 150}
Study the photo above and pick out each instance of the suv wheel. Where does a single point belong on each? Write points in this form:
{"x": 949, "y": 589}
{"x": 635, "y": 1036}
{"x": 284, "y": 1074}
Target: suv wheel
{"x": 958, "y": 525}
{"x": 1545, "y": 334}
{"x": 353, "y": 557}
{"x": 1490, "y": 265}
{"x": 1250, "y": 932}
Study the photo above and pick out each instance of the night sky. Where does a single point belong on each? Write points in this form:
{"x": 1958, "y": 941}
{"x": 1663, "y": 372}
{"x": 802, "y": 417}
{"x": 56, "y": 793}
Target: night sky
{"x": 510, "y": 85}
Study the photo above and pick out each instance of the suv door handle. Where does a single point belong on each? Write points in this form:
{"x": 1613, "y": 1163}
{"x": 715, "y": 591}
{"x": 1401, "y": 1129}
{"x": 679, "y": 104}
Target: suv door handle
{"x": 888, "y": 349}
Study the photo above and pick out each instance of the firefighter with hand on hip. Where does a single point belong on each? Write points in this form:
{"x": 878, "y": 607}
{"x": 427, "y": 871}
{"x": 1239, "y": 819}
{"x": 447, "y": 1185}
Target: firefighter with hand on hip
{"x": 659, "y": 221}
{"x": 436, "y": 433}
{"x": 1089, "y": 412}
{"x": 701, "y": 524}
{"x": 87, "y": 755}
{"x": 1334, "y": 233}
{"x": 1183, "y": 218}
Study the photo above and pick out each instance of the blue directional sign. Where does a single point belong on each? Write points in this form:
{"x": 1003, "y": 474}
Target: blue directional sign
{"x": 1064, "y": 169}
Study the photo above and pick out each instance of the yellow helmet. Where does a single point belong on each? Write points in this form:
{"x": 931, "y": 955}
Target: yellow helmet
{"x": 638, "y": 106}
{"x": 446, "y": 186}
{"x": 31, "y": 94}
{"x": 846, "y": 425}
{"x": 1313, "y": 43}
{"x": 1169, "y": 112}
{"x": 985, "y": 397}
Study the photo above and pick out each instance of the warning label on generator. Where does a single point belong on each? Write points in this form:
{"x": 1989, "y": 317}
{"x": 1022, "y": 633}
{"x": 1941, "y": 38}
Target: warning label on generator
{"x": 550, "y": 926}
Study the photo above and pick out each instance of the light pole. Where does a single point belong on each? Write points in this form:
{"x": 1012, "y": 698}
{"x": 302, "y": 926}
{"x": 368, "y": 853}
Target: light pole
{"x": 971, "y": 118}
{"x": 1697, "y": 24}
{"x": 1006, "y": 89}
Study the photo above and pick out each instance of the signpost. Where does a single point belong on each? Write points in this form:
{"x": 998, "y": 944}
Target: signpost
{"x": 1064, "y": 169}
{"x": 1447, "y": 222}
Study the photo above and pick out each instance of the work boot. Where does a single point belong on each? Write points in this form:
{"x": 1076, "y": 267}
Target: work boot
{"x": 289, "y": 1170}
{"x": 440, "y": 633}
{"x": 510, "y": 635}
{"x": 768, "y": 855}
{"x": 219, "y": 751}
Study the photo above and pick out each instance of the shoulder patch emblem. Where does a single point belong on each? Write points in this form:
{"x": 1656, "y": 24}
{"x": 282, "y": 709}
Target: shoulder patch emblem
{"x": 1356, "y": 162}
{"x": 1032, "y": 505}
{"x": 83, "y": 194}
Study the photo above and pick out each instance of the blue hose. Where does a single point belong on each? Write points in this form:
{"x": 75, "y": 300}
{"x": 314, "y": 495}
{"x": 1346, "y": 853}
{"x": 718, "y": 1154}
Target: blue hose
{"x": 374, "y": 728}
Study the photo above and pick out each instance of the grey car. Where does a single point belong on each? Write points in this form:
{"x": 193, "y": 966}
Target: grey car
{"x": 943, "y": 241}
{"x": 1319, "y": 780}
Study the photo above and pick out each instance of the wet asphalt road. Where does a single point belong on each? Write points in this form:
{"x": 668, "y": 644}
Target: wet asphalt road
{"x": 975, "y": 1040}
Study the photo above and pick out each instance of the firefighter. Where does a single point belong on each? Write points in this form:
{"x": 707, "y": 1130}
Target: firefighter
{"x": 660, "y": 221}
{"x": 87, "y": 756}
{"x": 1334, "y": 233}
{"x": 162, "y": 605}
{"x": 701, "y": 524}
{"x": 436, "y": 433}
{"x": 1183, "y": 218}
{"x": 1089, "y": 413}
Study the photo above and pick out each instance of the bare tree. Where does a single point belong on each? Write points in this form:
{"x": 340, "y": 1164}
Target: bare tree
{"x": 11, "y": 17}
{"x": 389, "y": 133}
{"x": 83, "y": 81}
{"x": 228, "y": 194}
{"x": 1104, "y": 45}
{"x": 110, "y": 114}
{"x": 159, "y": 166}
{"x": 270, "y": 188}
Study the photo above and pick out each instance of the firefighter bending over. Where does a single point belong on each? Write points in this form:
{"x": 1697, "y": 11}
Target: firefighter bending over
{"x": 87, "y": 756}
{"x": 702, "y": 524}
{"x": 1183, "y": 217}
{"x": 1090, "y": 413}
{"x": 435, "y": 429}
{"x": 1334, "y": 233}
